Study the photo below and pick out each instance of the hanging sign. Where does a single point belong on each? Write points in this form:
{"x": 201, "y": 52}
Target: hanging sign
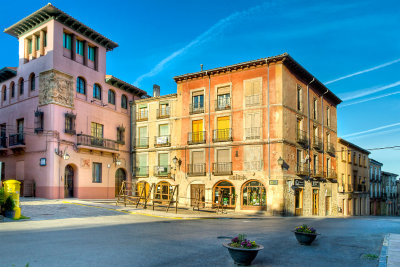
{"x": 298, "y": 182}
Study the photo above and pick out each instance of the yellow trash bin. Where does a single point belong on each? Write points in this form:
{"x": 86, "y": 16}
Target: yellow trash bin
{"x": 12, "y": 188}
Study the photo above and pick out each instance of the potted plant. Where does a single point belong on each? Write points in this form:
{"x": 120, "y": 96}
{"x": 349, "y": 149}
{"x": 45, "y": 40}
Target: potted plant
{"x": 9, "y": 207}
{"x": 305, "y": 235}
{"x": 242, "y": 250}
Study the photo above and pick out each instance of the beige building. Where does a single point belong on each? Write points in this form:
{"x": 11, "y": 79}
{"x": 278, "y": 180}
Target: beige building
{"x": 353, "y": 180}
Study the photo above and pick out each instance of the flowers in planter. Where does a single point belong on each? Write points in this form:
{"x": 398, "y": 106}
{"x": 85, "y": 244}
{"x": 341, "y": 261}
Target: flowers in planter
{"x": 305, "y": 229}
{"x": 240, "y": 241}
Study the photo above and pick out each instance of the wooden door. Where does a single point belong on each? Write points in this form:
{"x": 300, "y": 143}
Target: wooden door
{"x": 315, "y": 197}
{"x": 197, "y": 195}
{"x": 69, "y": 182}
{"x": 197, "y": 129}
{"x": 120, "y": 176}
{"x": 299, "y": 202}
{"x": 223, "y": 124}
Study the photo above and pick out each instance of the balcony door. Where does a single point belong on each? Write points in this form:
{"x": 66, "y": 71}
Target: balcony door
{"x": 143, "y": 141}
{"x": 97, "y": 131}
{"x": 223, "y": 164}
{"x": 142, "y": 167}
{"x": 197, "y": 129}
{"x": 163, "y": 164}
{"x": 315, "y": 205}
{"x": 223, "y": 125}
{"x": 198, "y": 165}
{"x": 253, "y": 126}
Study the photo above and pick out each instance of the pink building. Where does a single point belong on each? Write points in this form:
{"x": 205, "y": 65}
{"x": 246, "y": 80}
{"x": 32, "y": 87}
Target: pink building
{"x": 64, "y": 123}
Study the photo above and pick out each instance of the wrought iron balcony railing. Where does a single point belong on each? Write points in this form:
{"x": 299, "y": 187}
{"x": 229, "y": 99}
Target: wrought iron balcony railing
{"x": 142, "y": 171}
{"x": 349, "y": 188}
{"x": 253, "y": 165}
{"x": 330, "y": 149}
{"x": 222, "y": 168}
{"x": 17, "y": 139}
{"x": 195, "y": 109}
{"x": 164, "y": 140}
{"x": 163, "y": 113}
{"x": 222, "y": 135}
{"x": 142, "y": 115}
{"x": 142, "y": 142}
{"x": 196, "y": 137}
{"x": 302, "y": 169}
{"x": 317, "y": 172}
{"x": 317, "y": 143}
{"x": 92, "y": 141}
{"x": 252, "y": 133}
{"x": 198, "y": 169}
{"x": 223, "y": 104}
{"x": 331, "y": 174}
{"x": 301, "y": 138}
{"x": 162, "y": 171}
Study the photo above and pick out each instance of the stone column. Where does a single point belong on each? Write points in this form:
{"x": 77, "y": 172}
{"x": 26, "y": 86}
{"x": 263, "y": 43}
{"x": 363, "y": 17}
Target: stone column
{"x": 34, "y": 38}
{"x": 42, "y": 37}
{"x": 26, "y": 50}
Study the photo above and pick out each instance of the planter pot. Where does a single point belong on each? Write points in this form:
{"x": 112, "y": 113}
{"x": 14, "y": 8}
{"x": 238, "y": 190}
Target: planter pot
{"x": 305, "y": 238}
{"x": 9, "y": 214}
{"x": 243, "y": 256}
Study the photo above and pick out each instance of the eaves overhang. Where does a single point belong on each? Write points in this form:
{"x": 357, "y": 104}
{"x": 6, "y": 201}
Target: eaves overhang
{"x": 111, "y": 80}
{"x": 7, "y": 73}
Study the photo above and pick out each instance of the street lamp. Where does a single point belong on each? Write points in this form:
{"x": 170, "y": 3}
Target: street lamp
{"x": 280, "y": 161}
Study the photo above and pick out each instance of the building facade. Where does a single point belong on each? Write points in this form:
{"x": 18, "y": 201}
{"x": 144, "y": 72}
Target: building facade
{"x": 389, "y": 193}
{"x": 258, "y": 135}
{"x": 354, "y": 182}
{"x": 376, "y": 188}
{"x": 56, "y": 106}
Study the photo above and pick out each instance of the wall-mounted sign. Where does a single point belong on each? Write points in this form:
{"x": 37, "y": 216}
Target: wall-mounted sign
{"x": 315, "y": 183}
{"x": 273, "y": 182}
{"x": 42, "y": 162}
{"x": 298, "y": 182}
{"x": 237, "y": 177}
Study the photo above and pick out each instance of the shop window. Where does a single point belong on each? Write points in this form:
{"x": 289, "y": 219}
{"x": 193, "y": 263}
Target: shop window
{"x": 70, "y": 123}
{"x": 142, "y": 188}
{"x": 164, "y": 191}
{"x": 97, "y": 172}
{"x": 254, "y": 194}
{"x": 224, "y": 193}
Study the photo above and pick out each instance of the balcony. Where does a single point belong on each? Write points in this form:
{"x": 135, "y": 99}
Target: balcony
{"x": 330, "y": 148}
{"x": 85, "y": 140}
{"x": 164, "y": 140}
{"x": 222, "y": 168}
{"x": 162, "y": 171}
{"x": 16, "y": 140}
{"x": 142, "y": 115}
{"x": 252, "y": 133}
{"x": 196, "y": 138}
{"x": 253, "y": 165}
{"x": 253, "y": 100}
{"x": 163, "y": 113}
{"x": 3, "y": 142}
{"x": 360, "y": 188}
{"x": 317, "y": 144}
{"x": 302, "y": 169}
{"x": 196, "y": 169}
{"x": 301, "y": 138}
{"x": 222, "y": 135}
{"x": 349, "y": 188}
{"x": 142, "y": 142}
{"x": 142, "y": 171}
{"x": 223, "y": 104}
{"x": 317, "y": 172}
{"x": 196, "y": 109}
{"x": 331, "y": 174}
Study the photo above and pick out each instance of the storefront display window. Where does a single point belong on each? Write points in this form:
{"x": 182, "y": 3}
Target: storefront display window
{"x": 254, "y": 194}
{"x": 224, "y": 192}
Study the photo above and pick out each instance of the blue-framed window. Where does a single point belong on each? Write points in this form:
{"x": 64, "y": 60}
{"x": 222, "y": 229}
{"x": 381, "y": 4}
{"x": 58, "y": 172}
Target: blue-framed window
{"x": 96, "y": 172}
{"x": 91, "y": 55}
{"x": 80, "y": 85}
{"x": 97, "y": 91}
{"x": 67, "y": 40}
{"x": 79, "y": 47}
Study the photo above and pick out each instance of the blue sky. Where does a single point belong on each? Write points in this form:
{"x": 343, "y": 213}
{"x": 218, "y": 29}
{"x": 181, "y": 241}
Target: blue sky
{"x": 357, "y": 42}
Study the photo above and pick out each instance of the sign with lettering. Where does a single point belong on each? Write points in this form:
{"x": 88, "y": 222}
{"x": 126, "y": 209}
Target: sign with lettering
{"x": 237, "y": 177}
{"x": 298, "y": 182}
{"x": 273, "y": 182}
{"x": 315, "y": 183}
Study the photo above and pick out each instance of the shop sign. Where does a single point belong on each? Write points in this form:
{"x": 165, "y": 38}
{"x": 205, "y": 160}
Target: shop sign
{"x": 298, "y": 182}
{"x": 237, "y": 177}
{"x": 315, "y": 183}
{"x": 273, "y": 182}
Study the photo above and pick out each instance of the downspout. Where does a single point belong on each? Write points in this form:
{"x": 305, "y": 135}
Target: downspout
{"x": 132, "y": 138}
{"x": 323, "y": 133}
{"x": 209, "y": 124}
{"x": 268, "y": 123}
{"x": 308, "y": 125}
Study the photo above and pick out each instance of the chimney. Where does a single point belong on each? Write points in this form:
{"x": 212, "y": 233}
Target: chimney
{"x": 201, "y": 67}
{"x": 156, "y": 90}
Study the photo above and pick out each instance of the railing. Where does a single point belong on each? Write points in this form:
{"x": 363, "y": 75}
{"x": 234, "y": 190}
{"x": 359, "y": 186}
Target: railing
{"x": 142, "y": 115}
{"x": 164, "y": 140}
{"x": 349, "y": 188}
{"x": 361, "y": 188}
{"x": 330, "y": 149}
{"x": 331, "y": 174}
{"x": 253, "y": 100}
{"x": 317, "y": 143}
{"x": 302, "y": 169}
{"x": 301, "y": 137}
{"x": 142, "y": 171}
{"x": 222, "y": 168}
{"x": 196, "y": 169}
{"x": 162, "y": 171}
{"x": 194, "y": 109}
{"x": 163, "y": 113}
{"x": 70, "y": 131}
{"x": 3, "y": 142}
{"x": 142, "y": 142}
{"x": 17, "y": 139}
{"x": 223, "y": 104}
{"x": 92, "y": 141}
{"x": 222, "y": 135}
{"x": 196, "y": 137}
{"x": 317, "y": 172}
{"x": 253, "y": 165}
{"x": 252, "y": 133}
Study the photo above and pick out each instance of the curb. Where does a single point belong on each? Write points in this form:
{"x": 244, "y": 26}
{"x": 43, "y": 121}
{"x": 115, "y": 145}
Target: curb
{"x": 384, "y": 252}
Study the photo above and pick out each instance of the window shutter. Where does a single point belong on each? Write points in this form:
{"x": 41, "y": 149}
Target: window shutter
{"x": 164, "y": 130}
{"x": 163, "y": 159}
{"x": 223, "y": 155}
{"x": 197, "y": 157}
{"x": 224, "y": 90}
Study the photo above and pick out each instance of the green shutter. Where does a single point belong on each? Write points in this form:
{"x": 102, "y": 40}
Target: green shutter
{"x": 163, "y": 159}
{"x": 164, "y": 130}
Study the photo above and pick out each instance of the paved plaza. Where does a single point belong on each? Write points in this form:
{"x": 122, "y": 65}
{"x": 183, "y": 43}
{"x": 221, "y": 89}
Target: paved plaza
{"x": 72, "y": 234}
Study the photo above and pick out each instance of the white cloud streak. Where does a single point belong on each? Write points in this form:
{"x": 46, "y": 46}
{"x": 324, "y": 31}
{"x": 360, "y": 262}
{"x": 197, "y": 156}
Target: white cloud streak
{"x": 369, "y": 99}
{"x": 369, "y": 91}
{"x": 374, "y": 134}
{"x": 377, "y": 129}
{"x": 364, "y": 71}
{"x": 204, "y": 37}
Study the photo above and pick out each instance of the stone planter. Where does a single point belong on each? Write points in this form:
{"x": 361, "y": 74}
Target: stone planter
{"x": 305, "y": 238}
{"x": 243, "y": 256}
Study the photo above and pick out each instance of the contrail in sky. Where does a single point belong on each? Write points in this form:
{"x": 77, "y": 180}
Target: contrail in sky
{"x": 372, "y": 130}
{"x": 364, "y": 71}
{"x": 369, "y": 99}
{"x": 205, "y": 36}
{"x": 369, "y": 91}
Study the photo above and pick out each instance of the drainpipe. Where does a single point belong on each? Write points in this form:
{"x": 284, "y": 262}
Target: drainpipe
{"x": 308, "y": 124}
{"x": 132, "y": 138}
{"x": 323, "y": 133}
{"x": 268, "y": 123}
{"x": 209, "y": 124}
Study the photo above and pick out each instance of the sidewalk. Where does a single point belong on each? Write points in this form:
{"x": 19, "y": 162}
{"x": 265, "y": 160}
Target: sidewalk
{"x": 390, "y": 253}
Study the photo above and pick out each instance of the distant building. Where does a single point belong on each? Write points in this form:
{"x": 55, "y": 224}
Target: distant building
{"x": 375, "y": 178}
{"x": 353, "y": 179}
{"x": 389, "y": 194}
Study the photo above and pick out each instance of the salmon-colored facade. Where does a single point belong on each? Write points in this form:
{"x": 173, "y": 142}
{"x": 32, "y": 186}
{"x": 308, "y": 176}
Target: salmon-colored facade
{"x": 57, "y": 134}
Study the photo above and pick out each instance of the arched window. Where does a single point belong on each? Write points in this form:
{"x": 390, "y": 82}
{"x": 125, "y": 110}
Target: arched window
{"x": 163, "y": 191}
{"x": 80, "y": 85}
{"x": 111, "y": 97}
{"x": 4, "y": 93}
{"x": 142, "y": 189}
{"x": 97, "y": 91}
{"x": 12, "y": 88}
{"x": 124, "y": 102}
{"x": 32, "y": 82}
{"x": 254, "y": 194}
{"x": 224, "y": 193}
{"x": 21, "y": 86}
